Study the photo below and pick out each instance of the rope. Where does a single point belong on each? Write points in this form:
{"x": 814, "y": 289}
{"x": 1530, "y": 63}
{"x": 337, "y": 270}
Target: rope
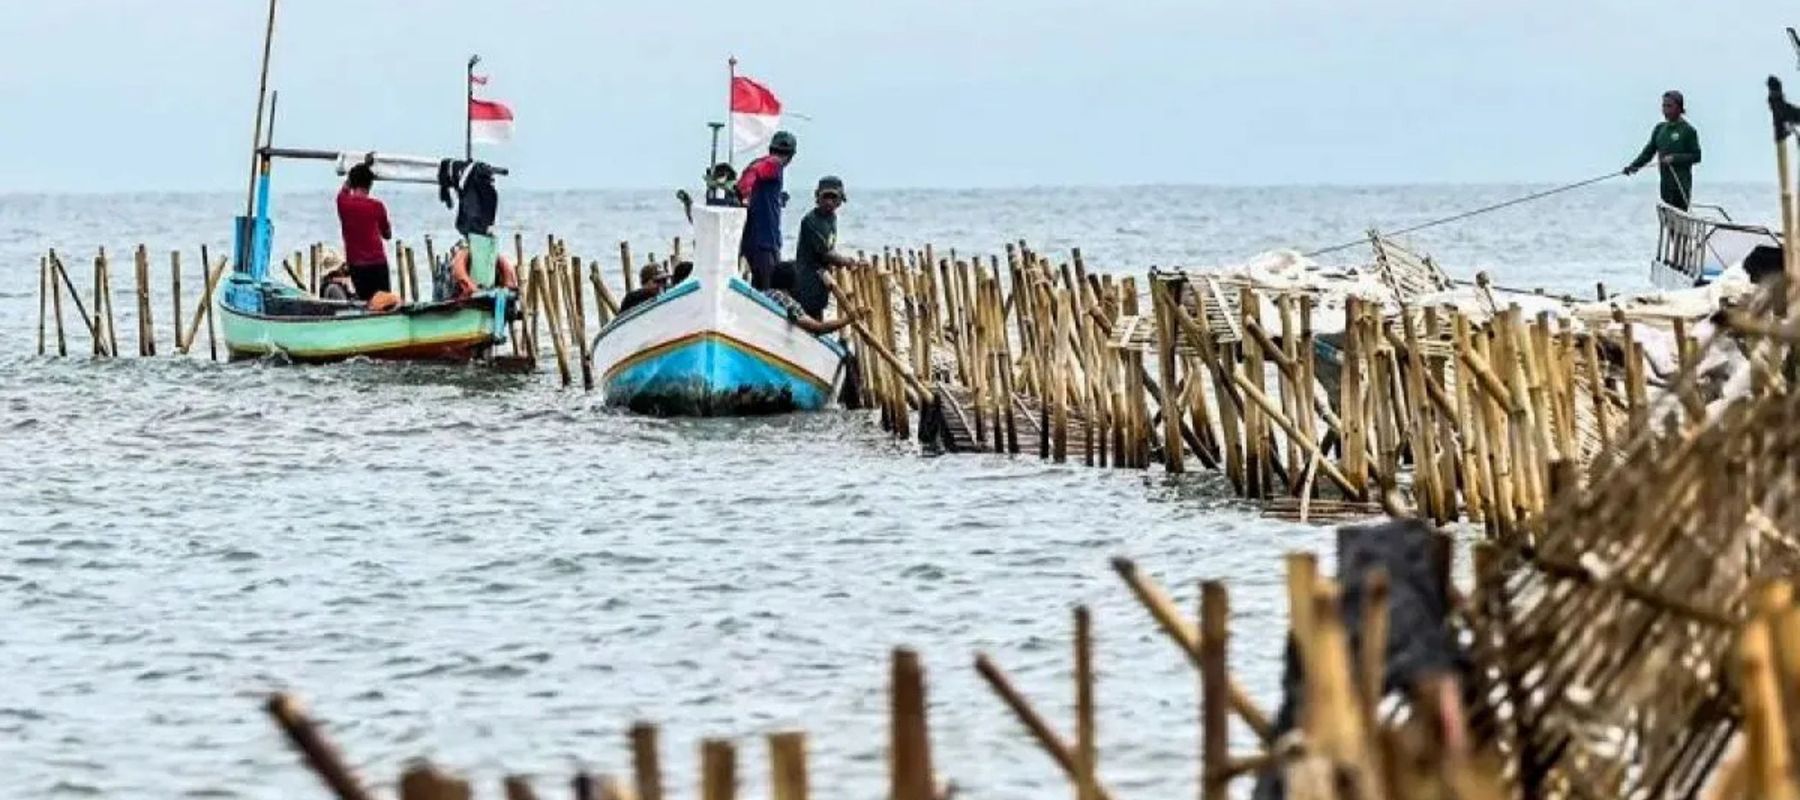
{"x": 1466, "y": 214}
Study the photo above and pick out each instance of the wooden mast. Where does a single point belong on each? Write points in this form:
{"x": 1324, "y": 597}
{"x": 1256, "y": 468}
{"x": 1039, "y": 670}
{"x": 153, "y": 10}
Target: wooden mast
{"x": 262, "y": 94}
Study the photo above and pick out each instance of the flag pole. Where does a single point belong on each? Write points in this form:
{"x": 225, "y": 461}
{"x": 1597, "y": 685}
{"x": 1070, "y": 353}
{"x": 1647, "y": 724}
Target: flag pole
{"x": 262, "y": 94}
{"x": 468, "y": 109}
{"x": 731, "y": 124}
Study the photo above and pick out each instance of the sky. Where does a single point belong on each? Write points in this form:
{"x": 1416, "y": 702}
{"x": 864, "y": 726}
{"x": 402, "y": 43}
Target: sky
{"x": 128, "y": 95}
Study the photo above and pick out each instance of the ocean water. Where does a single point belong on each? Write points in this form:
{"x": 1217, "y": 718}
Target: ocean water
{"x": 503, "y": 575}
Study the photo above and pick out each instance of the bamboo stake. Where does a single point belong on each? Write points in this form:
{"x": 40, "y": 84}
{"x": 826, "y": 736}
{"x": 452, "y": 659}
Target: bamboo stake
{"x": 145, "y": 325}
{"x": 625, "y": 266}
{"x": 646, "y": 766}
{"x": 518, "y": 788}
{"x": 718, "y": 765}
{"x": 1047, "y": 739}
{"x": 62, "y": 272}
{"x": 98, "y": 328}
{"x": 578, "y": 318}
{"x": 1269, "y": 407}
{"x": 1187, "y": 637}
{"x": 204, "y": 309}
{"x": 175, "y": 297}
{"x": 1087, "y": 749}
{"x": 43, "y": 300}
{"x": 607, "y": 307}
{"x": 1215, "y": 741}
{"x": 1167, "y": 337}
{"x": 909, "y": 748}
{"x": 550, "y": 296}
{"x": 1771, "y": 768}
{"x": 787, "y": 757}
{"x": 62, "y": 342}
{"x": 1350, "y": 401}
{"x": 412, "y": 279}
{"x": 320, "y": 755}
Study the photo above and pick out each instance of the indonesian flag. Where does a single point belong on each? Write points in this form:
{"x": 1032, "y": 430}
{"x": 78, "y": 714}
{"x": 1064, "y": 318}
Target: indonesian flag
{"x": 755, "y": 116}
{"x": 489, "y": 122}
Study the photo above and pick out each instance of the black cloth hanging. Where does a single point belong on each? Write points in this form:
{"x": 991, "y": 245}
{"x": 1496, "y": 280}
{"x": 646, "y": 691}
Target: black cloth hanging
{"x": 468, "y": 186}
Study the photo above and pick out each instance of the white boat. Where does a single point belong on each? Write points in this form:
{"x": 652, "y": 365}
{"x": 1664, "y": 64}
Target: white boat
{"x": 712, "y": 345}
{"x": 1693, "y": 249}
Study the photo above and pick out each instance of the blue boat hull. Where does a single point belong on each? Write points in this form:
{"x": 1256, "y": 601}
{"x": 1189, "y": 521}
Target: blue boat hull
{"x": 712, "y": 375}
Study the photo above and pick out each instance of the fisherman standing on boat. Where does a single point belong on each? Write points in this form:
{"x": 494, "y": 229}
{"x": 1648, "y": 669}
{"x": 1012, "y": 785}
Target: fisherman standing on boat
{"x": 816, "y": 252}
{"x": 364, "y": 221}
{"x": 760, "y": 190}
{"x": 1675, "y": 146}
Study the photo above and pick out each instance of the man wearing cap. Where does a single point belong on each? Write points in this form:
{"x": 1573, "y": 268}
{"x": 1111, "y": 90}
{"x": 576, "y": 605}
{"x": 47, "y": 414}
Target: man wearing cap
{"x": 1675, "y": 146}
{"x": 760, "y": 190}
{"x": 651, "y": 279}
{"x": 816, "y": 252}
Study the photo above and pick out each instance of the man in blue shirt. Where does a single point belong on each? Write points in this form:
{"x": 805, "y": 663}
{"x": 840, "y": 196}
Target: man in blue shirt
{"x": 760, "y": 190}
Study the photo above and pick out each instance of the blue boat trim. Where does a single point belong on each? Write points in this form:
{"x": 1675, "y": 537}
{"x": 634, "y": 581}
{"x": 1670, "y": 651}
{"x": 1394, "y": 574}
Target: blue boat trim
{"x": 709, "y": 374}
{"x": 682, "y": 289}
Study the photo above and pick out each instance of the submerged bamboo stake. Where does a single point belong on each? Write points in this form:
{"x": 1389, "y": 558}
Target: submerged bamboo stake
{"x": 98, "y": 328}
{"x": 549, "y": 297}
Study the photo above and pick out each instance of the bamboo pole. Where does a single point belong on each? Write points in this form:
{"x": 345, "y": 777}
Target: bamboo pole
{"x": 1350, "y": 403}
{"x": 1215, "y": 741}
{"x": 1047, "y": 739}
{"x": 1168, "y": 336}
{"x": 145, "y": 324}
{"x": 87, "y": 321}
{"x": 606, "y": 307}
{"x": 1771, "y": 766}
{"x": 412, "y": 279}
{"x": 175, "y": 298}
{"x": 909, "y": 748}
{"x": 550, "y": 297}
{"x": 625, "y": 266}
{"x": 787, "y": 759}
{"x": 57, "y": 279}
{"x": 43, "y": 300}
{"x": 571, "y": 289}
{"x": 1170, "y": 620}
{"x": 1087, "y": 748}
{"x": 98, "y": 328}
{"x": 319, "y": 753}
{"x": 646, "y": 766}
{"x": 718, "y": 765}
{"x": 204, "y": 310}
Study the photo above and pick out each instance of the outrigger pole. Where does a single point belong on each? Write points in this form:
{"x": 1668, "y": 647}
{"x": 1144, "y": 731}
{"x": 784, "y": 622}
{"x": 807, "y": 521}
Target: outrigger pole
{"x": 262, "y": 93}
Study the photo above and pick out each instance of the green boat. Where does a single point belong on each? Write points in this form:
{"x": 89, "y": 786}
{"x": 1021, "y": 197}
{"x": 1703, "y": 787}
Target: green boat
{"x": 262, "y": 317}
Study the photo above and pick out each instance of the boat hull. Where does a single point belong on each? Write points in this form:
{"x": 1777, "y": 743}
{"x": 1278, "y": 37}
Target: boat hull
{"x": 714, "y": 348}
{"x": 442, "y": 332}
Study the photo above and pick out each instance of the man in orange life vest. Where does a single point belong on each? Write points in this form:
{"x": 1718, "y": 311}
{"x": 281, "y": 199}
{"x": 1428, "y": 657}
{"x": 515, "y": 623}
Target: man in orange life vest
{"x": 760, "y": 191}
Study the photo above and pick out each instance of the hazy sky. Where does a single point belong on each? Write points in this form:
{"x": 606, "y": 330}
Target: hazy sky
{"x": 159, "y": 94}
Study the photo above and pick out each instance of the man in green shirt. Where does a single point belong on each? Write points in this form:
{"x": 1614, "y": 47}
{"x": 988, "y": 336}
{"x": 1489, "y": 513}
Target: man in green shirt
{"x": 817, "y": 252}
{"x": 1675, "y": 146}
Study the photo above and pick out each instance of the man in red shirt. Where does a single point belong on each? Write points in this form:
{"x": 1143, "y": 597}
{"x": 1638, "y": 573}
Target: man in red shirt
{"x": 364, "y": 221}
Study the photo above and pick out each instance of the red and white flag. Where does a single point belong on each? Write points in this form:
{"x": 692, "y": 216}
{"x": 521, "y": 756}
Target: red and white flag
{"x": 755, "y": 116}
{"x": 489, "y": 122}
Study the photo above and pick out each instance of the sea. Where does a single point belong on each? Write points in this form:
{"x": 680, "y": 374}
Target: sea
{"x": 502, "y": 575}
